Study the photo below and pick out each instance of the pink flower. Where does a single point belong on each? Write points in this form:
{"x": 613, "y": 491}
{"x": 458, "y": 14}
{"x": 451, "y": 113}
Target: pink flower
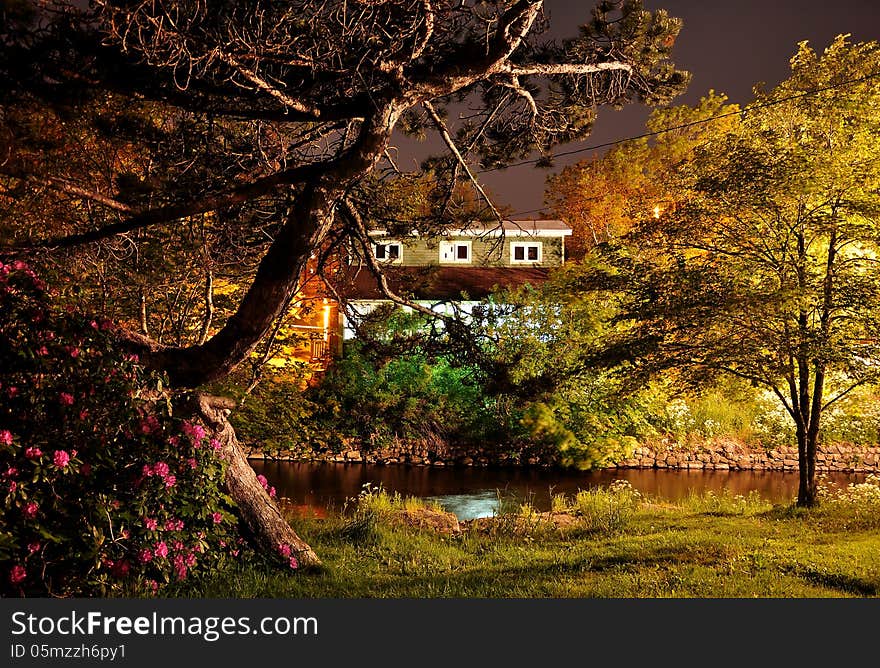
{"x": 161, "y": 549}
{"x": 262, "y": 480}
{"x": 195, "y": 431}
{"x": 60, "y": 458}
{"x": 272, "y": 492}
{"x": 191, "y": 560}
{"x": 170, "y": 481}
{"x": 65, "y": 399}
{"x": 179, "y": 566}
{"x": 160, "y": 469}
{"x": 33, "y": 453}
{"x": 11, "y": 392}
{"x": 33, "y": 546}
{"x": 11, "y": 472}
{"x": 193, "y": 464}
{"x": 174, "y": 525}
{"x": 12, "y": 487}
{"x": 152, "y": 585}
{"x": 217, "y": 517}
{"x": 6, "y": 437}
{"x": 120, "y": 568}
{"x": 147, "y": 471}
{"x": 30, "y": 510}
{"x": 17, "y": 574}
{"x": 216, "y": 445}
{"x": 178, "y": 545}
{"x": 284, "y": 549}
{"x": 294, "y": 563}
{"x": 150, "y": 523}
{"x": 42, "y": 351}
{"x": 145, "y": 556}
{"x": 149, "y": 425}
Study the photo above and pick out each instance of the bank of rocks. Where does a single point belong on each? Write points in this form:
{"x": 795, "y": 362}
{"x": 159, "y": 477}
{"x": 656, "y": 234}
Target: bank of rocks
{"x": 721, "y": 455}
{"x": 734, "y": 456}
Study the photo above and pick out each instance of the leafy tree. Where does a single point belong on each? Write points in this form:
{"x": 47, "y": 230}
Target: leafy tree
{"x": 272, "y": 118}
{"x": 602, "y": 196}
{"x": 766, "y": 268}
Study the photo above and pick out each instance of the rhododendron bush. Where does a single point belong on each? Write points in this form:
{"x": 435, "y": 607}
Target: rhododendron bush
{"x": 103, "y": 489}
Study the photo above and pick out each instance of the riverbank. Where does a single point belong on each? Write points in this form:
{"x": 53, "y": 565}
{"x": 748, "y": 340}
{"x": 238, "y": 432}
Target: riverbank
{"x": 706, "y": 546}
{"x": 713, "y": 455}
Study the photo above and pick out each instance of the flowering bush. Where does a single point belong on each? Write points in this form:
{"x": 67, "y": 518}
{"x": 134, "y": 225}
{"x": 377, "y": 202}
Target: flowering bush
{"x": 101, "y": 490}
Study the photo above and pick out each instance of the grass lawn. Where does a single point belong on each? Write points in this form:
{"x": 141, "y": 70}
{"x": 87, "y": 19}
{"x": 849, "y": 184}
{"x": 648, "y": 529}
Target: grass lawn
{"x": 616, "y": 544}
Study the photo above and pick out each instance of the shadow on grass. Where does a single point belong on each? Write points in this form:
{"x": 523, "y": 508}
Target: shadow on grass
{"x": 845, "y": 584}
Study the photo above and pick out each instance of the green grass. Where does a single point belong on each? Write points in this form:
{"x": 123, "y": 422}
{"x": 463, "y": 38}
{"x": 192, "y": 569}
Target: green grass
{"x": 705, "y": 546}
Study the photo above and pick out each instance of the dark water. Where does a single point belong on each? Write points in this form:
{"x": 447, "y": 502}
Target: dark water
{"x": 474, "y": 492}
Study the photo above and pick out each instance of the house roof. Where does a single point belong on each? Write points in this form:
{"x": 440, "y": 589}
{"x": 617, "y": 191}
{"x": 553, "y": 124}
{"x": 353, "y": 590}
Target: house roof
{"x": 442, "y": 283}
{"x": 510, "y": 228}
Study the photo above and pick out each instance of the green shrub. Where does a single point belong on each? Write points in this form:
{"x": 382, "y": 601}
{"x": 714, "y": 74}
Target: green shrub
{"x": 102, "y": 491}
{"x": 601, "y": 509}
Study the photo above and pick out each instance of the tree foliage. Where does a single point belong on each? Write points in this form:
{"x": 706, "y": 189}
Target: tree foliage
{"x": 603, "y": 196}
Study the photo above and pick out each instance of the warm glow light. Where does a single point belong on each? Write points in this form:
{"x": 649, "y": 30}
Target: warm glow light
{"x": 326, "y": 320}
{"x": 657, "y": 211}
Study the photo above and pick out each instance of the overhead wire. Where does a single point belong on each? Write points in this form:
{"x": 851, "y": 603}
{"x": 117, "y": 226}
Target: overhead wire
{"x": 709, "y": 119}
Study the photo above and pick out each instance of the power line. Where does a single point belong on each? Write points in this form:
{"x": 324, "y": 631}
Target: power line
{"x": 743, "y": 111}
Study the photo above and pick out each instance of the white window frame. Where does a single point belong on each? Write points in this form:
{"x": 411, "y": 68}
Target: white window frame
{"x": 452, "y": 247}
{"x": 385, "y": 244}
{"x": 525, "y": 246}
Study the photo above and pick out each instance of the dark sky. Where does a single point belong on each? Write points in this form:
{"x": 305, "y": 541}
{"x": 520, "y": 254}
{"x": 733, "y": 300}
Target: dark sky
{"x": 727, "y": 45}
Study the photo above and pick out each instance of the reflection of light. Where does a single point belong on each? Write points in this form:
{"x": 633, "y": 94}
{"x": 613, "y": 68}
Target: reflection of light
{"x": 326, "y": 319}
{"x": 657, "y": 211}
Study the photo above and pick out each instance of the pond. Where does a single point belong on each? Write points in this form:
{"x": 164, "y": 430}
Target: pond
{"x": 472, "y": 492}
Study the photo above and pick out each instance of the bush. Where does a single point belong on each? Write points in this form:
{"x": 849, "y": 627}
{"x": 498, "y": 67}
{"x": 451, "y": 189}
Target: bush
{"x": 103, "y": 491}
{"x": 602, "y": 509}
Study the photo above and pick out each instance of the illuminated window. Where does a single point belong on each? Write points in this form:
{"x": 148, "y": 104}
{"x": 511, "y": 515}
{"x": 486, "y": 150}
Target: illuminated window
{"x": 526, "y": 252}
{"x": 388, "y": 252}
{"x": 455, "y": 251}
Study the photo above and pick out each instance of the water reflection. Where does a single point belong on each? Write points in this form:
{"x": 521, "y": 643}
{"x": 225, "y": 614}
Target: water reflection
{"x": 475, "y": 492}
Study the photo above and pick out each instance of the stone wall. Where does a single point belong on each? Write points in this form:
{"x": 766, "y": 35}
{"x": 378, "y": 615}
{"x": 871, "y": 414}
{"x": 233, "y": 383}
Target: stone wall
{"x": 419, "y": 454}
{"x": 732, "y": 456}
{"x": 717, "y": 456}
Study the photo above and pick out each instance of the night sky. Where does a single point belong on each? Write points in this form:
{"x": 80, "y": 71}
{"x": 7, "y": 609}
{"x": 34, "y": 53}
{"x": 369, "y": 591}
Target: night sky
{"x": 727, "y": 45}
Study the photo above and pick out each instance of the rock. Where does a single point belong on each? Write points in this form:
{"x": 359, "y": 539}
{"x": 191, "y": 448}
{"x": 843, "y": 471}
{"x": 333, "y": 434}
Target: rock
{"x": 427, "y": 518}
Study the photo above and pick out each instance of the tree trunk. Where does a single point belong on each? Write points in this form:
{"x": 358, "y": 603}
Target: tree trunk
{"x": 258, "y": 510}
{"x": 807, "y": 441}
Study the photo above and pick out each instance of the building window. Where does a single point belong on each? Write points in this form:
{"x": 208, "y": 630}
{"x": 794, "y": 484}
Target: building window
{"x": 522, "y": 252}
{"x": 455, "y": 251}
{"x": 391, "y": 251}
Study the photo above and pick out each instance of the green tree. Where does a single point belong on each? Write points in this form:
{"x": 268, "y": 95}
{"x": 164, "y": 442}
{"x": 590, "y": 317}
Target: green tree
{"x": 767, "y": 267}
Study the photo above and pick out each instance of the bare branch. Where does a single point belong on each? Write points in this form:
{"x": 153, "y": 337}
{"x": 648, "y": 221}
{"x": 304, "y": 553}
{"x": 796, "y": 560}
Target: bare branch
{"x": 268, "y": 88}
{"x": 363, "y": 238}
{"x": 553, "y": 69}
{"x": 447, "y": 139}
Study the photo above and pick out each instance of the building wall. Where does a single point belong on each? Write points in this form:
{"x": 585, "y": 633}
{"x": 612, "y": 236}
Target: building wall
{"x": 491, "y": 250}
